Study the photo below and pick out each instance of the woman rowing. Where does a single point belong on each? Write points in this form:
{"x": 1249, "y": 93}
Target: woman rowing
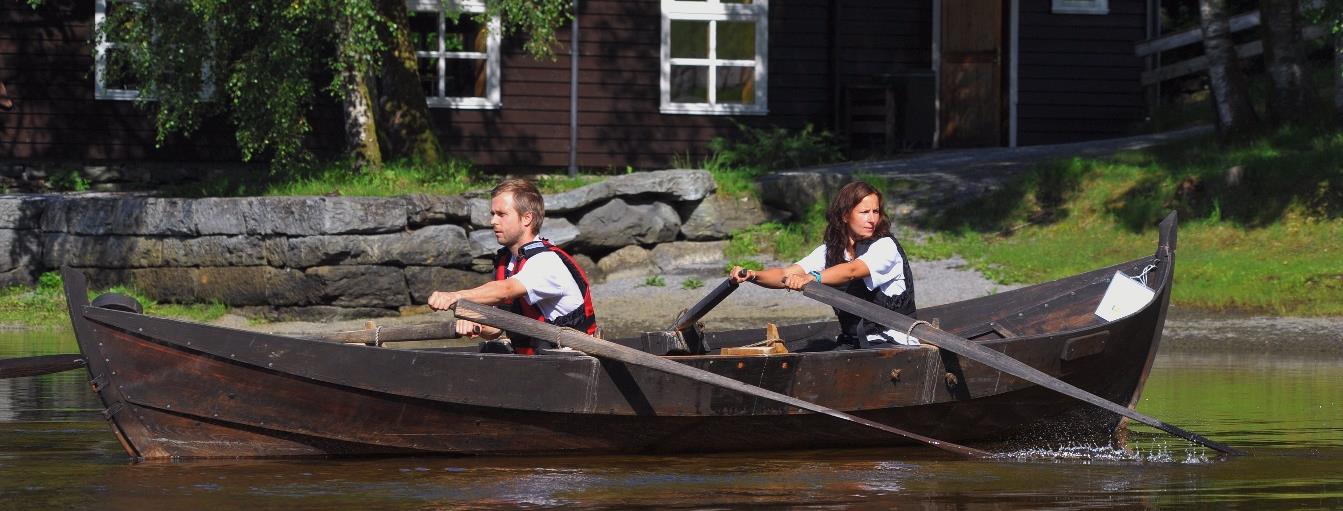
{"x": 859, "y": 256}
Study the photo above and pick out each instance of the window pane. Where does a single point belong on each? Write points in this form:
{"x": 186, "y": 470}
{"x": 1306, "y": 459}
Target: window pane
{"x": 690, "y": 84}
{"x": 690, "y": 39}
{"x": 736, "y": 1}
{"x": 466, "y": 78}
{"x": 428, "y": 71}
{"x": 736, "y": 85}
{"x": 119, "y": 74}
{"x": 466, "y": 34}
{"x": 736, "y": 40}
{"x": 424, "y": 31}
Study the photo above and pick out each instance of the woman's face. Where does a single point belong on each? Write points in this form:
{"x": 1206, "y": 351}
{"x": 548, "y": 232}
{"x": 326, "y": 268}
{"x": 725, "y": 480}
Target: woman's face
{"x": 863, "y": 218}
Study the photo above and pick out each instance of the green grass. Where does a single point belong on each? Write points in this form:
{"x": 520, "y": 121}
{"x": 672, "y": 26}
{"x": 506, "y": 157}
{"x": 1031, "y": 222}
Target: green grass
{"x": 692, "y": 283}
{"x": 655, "y": 281}
{"x": 1271, "y": 243}
{"x": 44, "y": 305}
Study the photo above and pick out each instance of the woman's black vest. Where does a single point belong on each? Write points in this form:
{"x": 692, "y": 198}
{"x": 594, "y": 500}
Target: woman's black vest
{"x": 853, "y": 329}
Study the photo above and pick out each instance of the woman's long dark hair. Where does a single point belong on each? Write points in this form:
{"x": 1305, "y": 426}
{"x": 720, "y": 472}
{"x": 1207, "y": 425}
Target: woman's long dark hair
{"x": 837, "y": 228}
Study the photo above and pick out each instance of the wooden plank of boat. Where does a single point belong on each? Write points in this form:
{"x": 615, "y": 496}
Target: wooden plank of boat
{"x": 995, "y": 359}
{"x": 380, "y": 334}
{"x": 604, "y": 349}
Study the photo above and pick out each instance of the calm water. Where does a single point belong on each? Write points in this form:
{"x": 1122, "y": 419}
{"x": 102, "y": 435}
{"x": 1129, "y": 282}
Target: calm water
{"x": 1287, "y": 411}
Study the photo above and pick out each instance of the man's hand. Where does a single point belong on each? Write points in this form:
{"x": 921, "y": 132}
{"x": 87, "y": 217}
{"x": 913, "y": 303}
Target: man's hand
{"x": 444, "y": 300}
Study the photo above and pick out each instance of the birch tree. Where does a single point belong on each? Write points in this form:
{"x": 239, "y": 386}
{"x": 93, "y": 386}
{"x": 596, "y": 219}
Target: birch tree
{"x": 1283, "y": 59}
{"x": 1230, "y": 89}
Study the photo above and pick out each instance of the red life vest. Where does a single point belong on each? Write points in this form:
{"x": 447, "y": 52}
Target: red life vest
{"x": 583, "y": 319}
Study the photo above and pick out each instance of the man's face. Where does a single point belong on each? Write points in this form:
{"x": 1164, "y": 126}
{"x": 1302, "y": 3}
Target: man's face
{"x": 509, "y": 227}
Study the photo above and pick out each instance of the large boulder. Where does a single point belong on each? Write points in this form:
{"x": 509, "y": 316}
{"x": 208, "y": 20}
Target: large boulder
{"x": 689, "y": 255}
{"x": 236, "y": 286}
{"x": 673, "y": 185}
{"x": 631, "y": 261}
{"x": 717, "y": 217}
{"x": 101, "y": 251}
{"x": 21, "y": 212}
{"x": 213, "y": 251}
{"x": 20, "y": 249}
{"x": 309, "y": 216}
{"x": 619, "y": 223}
{"x": 795, "y": 192}
{"x": 424, "y": 209}
{"x": 445, "y": 245}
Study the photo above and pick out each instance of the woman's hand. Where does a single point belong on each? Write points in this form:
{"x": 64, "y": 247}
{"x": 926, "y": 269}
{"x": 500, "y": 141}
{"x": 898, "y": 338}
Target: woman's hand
{"x": 739, "y": 274}
{"x": 795, "y": 281}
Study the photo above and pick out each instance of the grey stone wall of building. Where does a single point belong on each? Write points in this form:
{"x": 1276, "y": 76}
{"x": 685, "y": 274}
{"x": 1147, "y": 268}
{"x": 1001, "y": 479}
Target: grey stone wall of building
{"x": 317, "y": 258}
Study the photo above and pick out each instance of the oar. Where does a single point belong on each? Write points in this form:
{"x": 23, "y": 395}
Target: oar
{"x": 997, "y": 360}
{"x": 602, "y": 349}
{"x": 706, "y": 304}
{"x": 381, "y": 334}
{"x": 36, "y": 366}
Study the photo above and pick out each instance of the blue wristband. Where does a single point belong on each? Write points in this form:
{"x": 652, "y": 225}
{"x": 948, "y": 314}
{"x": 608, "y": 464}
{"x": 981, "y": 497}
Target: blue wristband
{"x": 815, "y": 274}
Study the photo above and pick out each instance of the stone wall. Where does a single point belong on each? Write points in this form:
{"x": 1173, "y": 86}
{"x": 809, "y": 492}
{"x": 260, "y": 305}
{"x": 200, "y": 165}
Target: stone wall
{"x": 336, "y": 257}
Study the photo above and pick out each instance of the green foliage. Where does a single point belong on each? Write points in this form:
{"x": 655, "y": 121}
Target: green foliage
{"x": 44, "y": 304}
{"x": 655, "y": 281}
{"x": 255, "y": 63}
{"x": 737, "y": 163}
{"x": 692, "y": 283}
{"x": 784, "y": 242}
{"x": 69, "y": 181}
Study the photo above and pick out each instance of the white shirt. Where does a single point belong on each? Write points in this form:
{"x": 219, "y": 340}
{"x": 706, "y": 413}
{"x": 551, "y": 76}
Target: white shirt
{"x": 550, "y": 286}
{"x": 887, "y": 276}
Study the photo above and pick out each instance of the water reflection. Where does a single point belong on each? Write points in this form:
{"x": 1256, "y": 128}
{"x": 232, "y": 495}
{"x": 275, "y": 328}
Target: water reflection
{"x": 56, "y": 451}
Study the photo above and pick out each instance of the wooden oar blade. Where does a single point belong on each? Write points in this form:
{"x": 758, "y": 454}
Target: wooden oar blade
{"x": 603, "y": 349}
{"x": 991, "y": 358}
{"x": 40, "y": 365}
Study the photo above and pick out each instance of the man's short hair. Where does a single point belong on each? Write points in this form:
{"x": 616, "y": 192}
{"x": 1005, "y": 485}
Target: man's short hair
{"x": 526, "y": 199}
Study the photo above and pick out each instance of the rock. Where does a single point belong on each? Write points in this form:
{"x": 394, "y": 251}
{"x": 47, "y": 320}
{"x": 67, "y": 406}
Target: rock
{"x": 360, "y": 286}
{"x": 717, "y": 217}
{"x": 421, "y": 281}
{"x": 590, "y": 268}
{"x": 308, "y": 216}
{"x": 213, "y": 251}
{"x": 227, "y": 216}
{"x": 424, "y": 209}
{"x": 236, "y": 286}
{"x": 119, "y": 215}
{"x": 483, "y": 243}
{"x": 559, "y": 231}
{"x": 795, "y": 192}
{"x": 17, "y": 277}
{"x": 675, "y": 185}
{"x": 314, "y": 313}
{"x": 20, "y": 249}
{"x": 442, "y": 245}
{"x": 21, "y": 212}
{"x": 684, "y": 255}
{"x": 101, "y": 251}
{"x": 629, "y": 262}
{"x": 618, "y": 223}
{"x": 480, "y": 212}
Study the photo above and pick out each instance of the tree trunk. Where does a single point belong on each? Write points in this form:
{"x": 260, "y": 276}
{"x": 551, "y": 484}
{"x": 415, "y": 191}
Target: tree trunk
{"x": 361, "y": 134}
{"x": 1230, "y": 90}
{"x": 1338, "y": 77}
{"x": 403, "y": 116}
{"x": 1283, "y": 59}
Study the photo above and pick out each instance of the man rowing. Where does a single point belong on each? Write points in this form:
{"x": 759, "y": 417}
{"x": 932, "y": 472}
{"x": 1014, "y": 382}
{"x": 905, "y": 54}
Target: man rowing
{"x": 533, "y": 277}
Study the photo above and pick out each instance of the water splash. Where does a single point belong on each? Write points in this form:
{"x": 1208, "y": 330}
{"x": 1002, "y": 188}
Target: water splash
{"x": 1087, "y": 454}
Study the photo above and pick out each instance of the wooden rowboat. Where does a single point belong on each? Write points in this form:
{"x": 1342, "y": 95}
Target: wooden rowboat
{"x": 180, "y": 389}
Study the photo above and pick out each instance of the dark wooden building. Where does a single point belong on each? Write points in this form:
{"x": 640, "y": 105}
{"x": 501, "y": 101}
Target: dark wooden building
{"x": 659, "y": 78}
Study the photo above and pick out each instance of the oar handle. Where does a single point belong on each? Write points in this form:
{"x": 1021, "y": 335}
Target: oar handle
{"x": 706, "y": 304}
{"x": 39, "y": 365}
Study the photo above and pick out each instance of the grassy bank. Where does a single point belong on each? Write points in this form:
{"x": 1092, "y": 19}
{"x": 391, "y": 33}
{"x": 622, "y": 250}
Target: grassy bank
{"x": 1261, "y": 221}
{"x": 44, "y": 305}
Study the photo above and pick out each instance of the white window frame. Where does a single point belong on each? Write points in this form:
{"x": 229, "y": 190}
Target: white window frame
{"x": 100, "y": 90}
{"x": 715, "y": 10}
{"x": 491, "y": 100}
{"x": 1081, "y": 6}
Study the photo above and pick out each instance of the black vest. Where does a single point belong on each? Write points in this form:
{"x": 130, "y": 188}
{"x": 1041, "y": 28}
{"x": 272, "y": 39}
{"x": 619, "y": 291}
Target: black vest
{"x": 853, "y": 329}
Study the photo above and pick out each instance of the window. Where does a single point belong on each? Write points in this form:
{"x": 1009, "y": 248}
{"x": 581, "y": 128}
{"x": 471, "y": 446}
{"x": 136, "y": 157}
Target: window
{"x": 113, "y": 77}
{"x": 713, "y": 56}
{"x": 1081, "y": 6}
{"x": 457, "y": 56}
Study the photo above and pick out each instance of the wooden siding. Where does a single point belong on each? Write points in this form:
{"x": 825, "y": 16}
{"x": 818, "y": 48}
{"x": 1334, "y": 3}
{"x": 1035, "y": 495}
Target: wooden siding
{"x": 46, "y": 62}
{"x": 1078, "y": 80}
{"x": 1077, "y": 75}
